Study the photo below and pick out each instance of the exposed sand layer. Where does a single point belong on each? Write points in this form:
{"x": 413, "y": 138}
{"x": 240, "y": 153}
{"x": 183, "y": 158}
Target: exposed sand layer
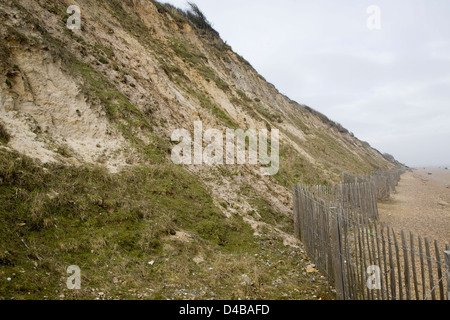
{"x": 421, "y": 204}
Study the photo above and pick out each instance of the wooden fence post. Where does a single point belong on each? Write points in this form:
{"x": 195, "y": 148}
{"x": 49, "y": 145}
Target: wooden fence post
{"x": 447, "y": 262}
{"x": 337, "y": 258}
{"x": 296, "y": 213}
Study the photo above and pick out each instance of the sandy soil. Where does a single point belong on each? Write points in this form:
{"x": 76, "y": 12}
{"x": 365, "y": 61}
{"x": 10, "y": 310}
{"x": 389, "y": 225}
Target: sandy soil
{"x": 421, "y": 204}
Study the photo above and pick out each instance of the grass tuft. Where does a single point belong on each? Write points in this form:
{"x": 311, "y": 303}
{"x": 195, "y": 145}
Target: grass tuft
{"x": 4, "y": 135}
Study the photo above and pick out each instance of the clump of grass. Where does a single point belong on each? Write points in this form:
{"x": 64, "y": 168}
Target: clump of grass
{"x": 65, "y": 150}
{"x": 193, "y": 15}
{"x": 294, "y": 168}
{"x": 186, "y": 52}
{"x": 268, "y": 114}
{"x": 243, "y": 96}
{"x": 268, "y": 214}
{"x": 4, "y": 135}
{"x": 175, "y": 73}
{"x": 197, "y": 17}
{"x": 197, "y": 60}
{"x": 209, "y": 75}
{"x": 326, "y": 120}
{"x": 206, "y": 103}
{"x": 256, "y": 109}
{"x": 199, "y": 20}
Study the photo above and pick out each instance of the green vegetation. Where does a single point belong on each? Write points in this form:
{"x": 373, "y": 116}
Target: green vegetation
{"x": 296, "y": 169}
{"x": 96, "y": 85}
{"x": 205, "y": 102}
{"x": 209, "y": 75}
{"x": 324, "y": 147}
{"x": 186, "y": 52}
{"x": 326, "y": 120}
{"x": 268, "y": 114}
{"x": 4, "y": 135}
{"x": 196, "y": 60}
{"x": 127, "y": 118}
{"x": 193, "y": 15}
{"x": 266, "y": 211}
{"x": 54, "y": 8}
{"x": 63, "y": 213}
{"x": 255, "y": 108}
{"x": 113, "y": 225}
{"x": 329, "y": 155}
{"x": 196, "y": 16}
{"x": 243, "y": 96}
{"x": 174, "y": 73}
{"x": 65, "y": 151}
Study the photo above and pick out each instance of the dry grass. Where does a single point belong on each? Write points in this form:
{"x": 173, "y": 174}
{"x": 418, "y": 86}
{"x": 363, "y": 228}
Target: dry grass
{"x": 4, "y": 135}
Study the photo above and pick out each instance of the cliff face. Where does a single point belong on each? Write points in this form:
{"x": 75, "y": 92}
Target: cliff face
{"x": 145, "y": 67}
{"x": 112, "y": 94}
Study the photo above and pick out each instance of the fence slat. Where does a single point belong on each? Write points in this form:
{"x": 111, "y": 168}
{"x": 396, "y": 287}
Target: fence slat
{"x": 406, "y": 266}
{"x": 413, "y": 266}
{"x": 361, "y": 259}
{"x": 439, "y": 271}
{"x": 379, "y": 262}
{"x": 392, "y": 266}
{"x": 422, "y": 268}
{"x": 430, "y": 268}
{"x": 374, "y": 258}
{"x": 346, "y": 254}
{"x": 364, "y": 258}
{"x": 337, "y": 258}
{"x": 386, "y": 274}
{"x": 447, "y": 262}
{"x": 296, "y": 213}
{"x": 369, "y": 251}
{"x": 357, "y": 274}
{"x": 399, "y": 268}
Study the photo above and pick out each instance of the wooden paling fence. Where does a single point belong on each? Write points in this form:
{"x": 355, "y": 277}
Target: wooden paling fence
{"x": 385, "y": 181}
{"x": 366, "y": 259}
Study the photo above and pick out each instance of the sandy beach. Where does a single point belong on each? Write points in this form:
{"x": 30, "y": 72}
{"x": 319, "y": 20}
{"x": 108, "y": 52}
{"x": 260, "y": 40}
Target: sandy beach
{"x": 421, "y": 204}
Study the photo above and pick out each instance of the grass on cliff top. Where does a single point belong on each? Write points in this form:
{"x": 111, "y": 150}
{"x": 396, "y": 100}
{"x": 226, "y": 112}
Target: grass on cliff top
{"x": 113, "y": 225}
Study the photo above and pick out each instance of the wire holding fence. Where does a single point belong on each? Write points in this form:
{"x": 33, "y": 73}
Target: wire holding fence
{"x": 367, "y": 259}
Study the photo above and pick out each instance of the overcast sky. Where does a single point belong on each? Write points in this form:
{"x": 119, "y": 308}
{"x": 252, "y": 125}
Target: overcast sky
{"x": 389, "y": 86}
